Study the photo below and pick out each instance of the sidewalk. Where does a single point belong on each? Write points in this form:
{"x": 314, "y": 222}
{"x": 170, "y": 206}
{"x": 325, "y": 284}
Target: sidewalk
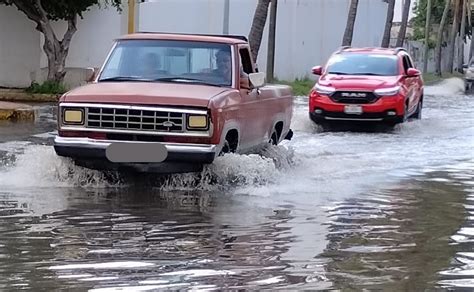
{"x": 14, "y": 112}
{"x": 21, "y": 95}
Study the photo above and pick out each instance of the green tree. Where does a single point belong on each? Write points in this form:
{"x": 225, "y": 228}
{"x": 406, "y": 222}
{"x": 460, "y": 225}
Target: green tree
{"x": 437, "y": 9}
{"x": 43, "y": 13}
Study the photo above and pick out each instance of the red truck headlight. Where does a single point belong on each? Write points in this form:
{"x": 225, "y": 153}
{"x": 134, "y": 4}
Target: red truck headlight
{"x": 73, "y": 116}
{"x": 198, "y": 122}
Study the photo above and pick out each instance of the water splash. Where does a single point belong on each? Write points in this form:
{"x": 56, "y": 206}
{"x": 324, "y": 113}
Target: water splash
{"x": 39, "y": 166}
{"x": 448, "y": 87}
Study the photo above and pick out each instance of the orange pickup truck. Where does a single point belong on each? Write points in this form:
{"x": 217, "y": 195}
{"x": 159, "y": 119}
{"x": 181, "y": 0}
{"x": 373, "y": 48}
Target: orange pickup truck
{"x": 171, "y": 103}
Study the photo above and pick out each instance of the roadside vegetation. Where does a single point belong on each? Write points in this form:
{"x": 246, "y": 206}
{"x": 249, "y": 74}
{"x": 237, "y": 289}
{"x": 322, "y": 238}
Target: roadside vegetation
{"x": 47, "y": 87}
{"x": 433, "y": 77}
{"x": 299, "y": 86}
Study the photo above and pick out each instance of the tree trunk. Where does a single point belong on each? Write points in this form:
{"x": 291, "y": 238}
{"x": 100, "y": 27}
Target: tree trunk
{"x": 56, "y": 51}
{"x": 471, "y": 51}
{"x": 427, "y": 37}
{"x": 462, "y": 36}
{"x": 388, "y": 24}
{"x": 351, "y": 17}
{"x": 403, "y": 27}
{"x": 258, "y": 25}
{"x": 439, "y": 39}
{"x": 452, "y": 37}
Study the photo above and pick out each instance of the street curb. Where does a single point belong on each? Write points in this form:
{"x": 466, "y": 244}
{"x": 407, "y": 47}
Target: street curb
{"x": 19, "y": 95}
{"x": 16, "y": 112}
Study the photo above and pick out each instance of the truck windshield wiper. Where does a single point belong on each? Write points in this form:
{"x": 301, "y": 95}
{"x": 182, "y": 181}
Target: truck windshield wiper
{"x": 368, "y": 73}
{"x": 186, "y": 80}
{"x": 338, "y": 73}
{"x": 123, "y": 78}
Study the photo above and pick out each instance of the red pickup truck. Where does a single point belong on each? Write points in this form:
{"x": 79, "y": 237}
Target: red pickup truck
{"x": 171, "y": 103}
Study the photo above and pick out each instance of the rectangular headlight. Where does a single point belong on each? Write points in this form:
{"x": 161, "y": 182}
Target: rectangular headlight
{"x": 73, "y": 116}
{"x": 197, "y": 122}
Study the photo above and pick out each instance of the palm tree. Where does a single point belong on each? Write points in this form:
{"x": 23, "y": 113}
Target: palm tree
{"x": 403, "y": 26}
{"x": 469, "y": 13}
{"x": 351, "y": 17}
{"x": 462, "y": 35}
{"x": 439, "y": 39}
{"x": 452, "y": 36}
{"x": 427, "y": 37}
{"x": 388, "y": 23}
{"x": 258, "y": 25}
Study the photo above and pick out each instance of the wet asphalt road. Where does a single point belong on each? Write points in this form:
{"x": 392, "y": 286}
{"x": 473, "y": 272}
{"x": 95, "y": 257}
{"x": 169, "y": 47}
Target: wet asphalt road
{"x": 389, "y": 210}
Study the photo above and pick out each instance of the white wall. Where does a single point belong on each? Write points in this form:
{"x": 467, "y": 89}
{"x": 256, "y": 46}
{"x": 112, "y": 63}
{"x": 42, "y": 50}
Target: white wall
{"x": 19, "y": 48}
{"x": 93, "y": 39}
{"x": 308, "y": 31}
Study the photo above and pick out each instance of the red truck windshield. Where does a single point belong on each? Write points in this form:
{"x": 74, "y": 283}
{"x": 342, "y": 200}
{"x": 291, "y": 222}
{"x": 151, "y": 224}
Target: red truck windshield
{"x": 169, "y": 61}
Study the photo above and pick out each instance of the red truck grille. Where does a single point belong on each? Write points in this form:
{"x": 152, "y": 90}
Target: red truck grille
{"x": 135, "y": 119}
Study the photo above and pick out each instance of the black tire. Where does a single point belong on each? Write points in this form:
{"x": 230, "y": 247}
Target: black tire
{"x": 225, "y": 149}
{"x": 417, "y": 114}
{"x": 273, "y": 138}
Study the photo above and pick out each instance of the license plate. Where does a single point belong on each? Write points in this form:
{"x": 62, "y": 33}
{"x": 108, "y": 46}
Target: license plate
{"x": 353, "y": 109}
{"x": 136, "y": 152}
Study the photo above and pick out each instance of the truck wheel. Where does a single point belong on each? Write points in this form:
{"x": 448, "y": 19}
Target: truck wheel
{"x": 419, "y": 107}
{"x": 273, "y": 138}
{"x": 230, "y": 143}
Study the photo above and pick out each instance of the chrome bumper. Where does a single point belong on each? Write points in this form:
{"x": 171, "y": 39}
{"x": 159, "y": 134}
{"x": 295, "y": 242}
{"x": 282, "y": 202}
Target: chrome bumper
{"x": 103, "y": 144}
{"x": 92, "y": 153}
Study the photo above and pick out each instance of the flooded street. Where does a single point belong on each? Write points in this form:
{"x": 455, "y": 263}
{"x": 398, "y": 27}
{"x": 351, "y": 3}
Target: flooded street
{"x": 390, "y": 210}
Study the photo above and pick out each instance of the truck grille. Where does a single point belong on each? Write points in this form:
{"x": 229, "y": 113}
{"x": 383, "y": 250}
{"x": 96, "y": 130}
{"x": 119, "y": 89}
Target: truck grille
{"x": 135, "y": 119}
{"x": 354, "y": 97}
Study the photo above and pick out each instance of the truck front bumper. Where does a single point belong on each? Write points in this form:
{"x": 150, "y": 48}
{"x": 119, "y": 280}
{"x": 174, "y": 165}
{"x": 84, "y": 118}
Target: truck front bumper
{"x": 91, "y": 153}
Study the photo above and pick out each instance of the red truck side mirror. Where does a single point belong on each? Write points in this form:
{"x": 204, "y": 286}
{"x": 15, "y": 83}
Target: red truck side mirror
{"x": 317, "y": 70}
{"x": 412, "y": 72}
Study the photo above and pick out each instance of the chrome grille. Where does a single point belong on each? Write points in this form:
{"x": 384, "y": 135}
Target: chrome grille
{"x": 135, "y": 119}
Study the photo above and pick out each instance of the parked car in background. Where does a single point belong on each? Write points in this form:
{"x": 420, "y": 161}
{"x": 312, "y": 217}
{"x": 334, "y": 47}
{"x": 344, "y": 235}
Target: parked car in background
{"x": 172, "y": 103}
{"x": 367, "y": 85}
{"x": 469, "y": 76}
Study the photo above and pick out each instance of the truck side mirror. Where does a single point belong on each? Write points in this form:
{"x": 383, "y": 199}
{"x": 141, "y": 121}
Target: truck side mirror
{"x": 257, "y": 79}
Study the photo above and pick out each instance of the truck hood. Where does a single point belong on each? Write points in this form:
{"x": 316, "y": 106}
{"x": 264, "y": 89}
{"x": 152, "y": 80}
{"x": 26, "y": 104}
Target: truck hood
{"x": 358, "y": 82}
{"x": 145, "y": 93}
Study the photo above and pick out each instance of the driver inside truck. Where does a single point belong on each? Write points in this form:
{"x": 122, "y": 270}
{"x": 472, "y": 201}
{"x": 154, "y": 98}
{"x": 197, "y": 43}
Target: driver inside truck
{"x": 224, "y": 69}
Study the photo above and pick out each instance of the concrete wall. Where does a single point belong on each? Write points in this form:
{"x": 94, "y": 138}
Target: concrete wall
{"x": 93, "y": 39}
{"x": 19, "y": 48}
{"x": 308, "y": 31}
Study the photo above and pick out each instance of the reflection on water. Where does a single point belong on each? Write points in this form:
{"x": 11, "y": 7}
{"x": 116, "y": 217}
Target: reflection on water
{"x": 404, "y": 237}
{"x": 400, "y": 238}
{"x": 174, "y": 239}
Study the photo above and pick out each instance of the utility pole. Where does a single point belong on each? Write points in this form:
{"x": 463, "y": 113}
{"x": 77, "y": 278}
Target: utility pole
{"x": 131, "y": 16}
{"x": 225, "y": 29}
{"x": 271, "y": 41}
{"x": 427, "y": 37}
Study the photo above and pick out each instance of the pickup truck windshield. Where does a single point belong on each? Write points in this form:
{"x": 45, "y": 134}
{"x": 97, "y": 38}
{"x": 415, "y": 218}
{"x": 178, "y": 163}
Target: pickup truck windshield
{"x": 363, "y": 64}
{"x": 169, "y": 61}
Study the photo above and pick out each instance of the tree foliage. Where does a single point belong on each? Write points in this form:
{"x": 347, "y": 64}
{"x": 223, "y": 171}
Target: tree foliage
{"x": 419, "y": 20}
{"x": 59, "y": 9}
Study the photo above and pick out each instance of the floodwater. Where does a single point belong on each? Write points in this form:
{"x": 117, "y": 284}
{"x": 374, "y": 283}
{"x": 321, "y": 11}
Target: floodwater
{"x": 390, "y": 210}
